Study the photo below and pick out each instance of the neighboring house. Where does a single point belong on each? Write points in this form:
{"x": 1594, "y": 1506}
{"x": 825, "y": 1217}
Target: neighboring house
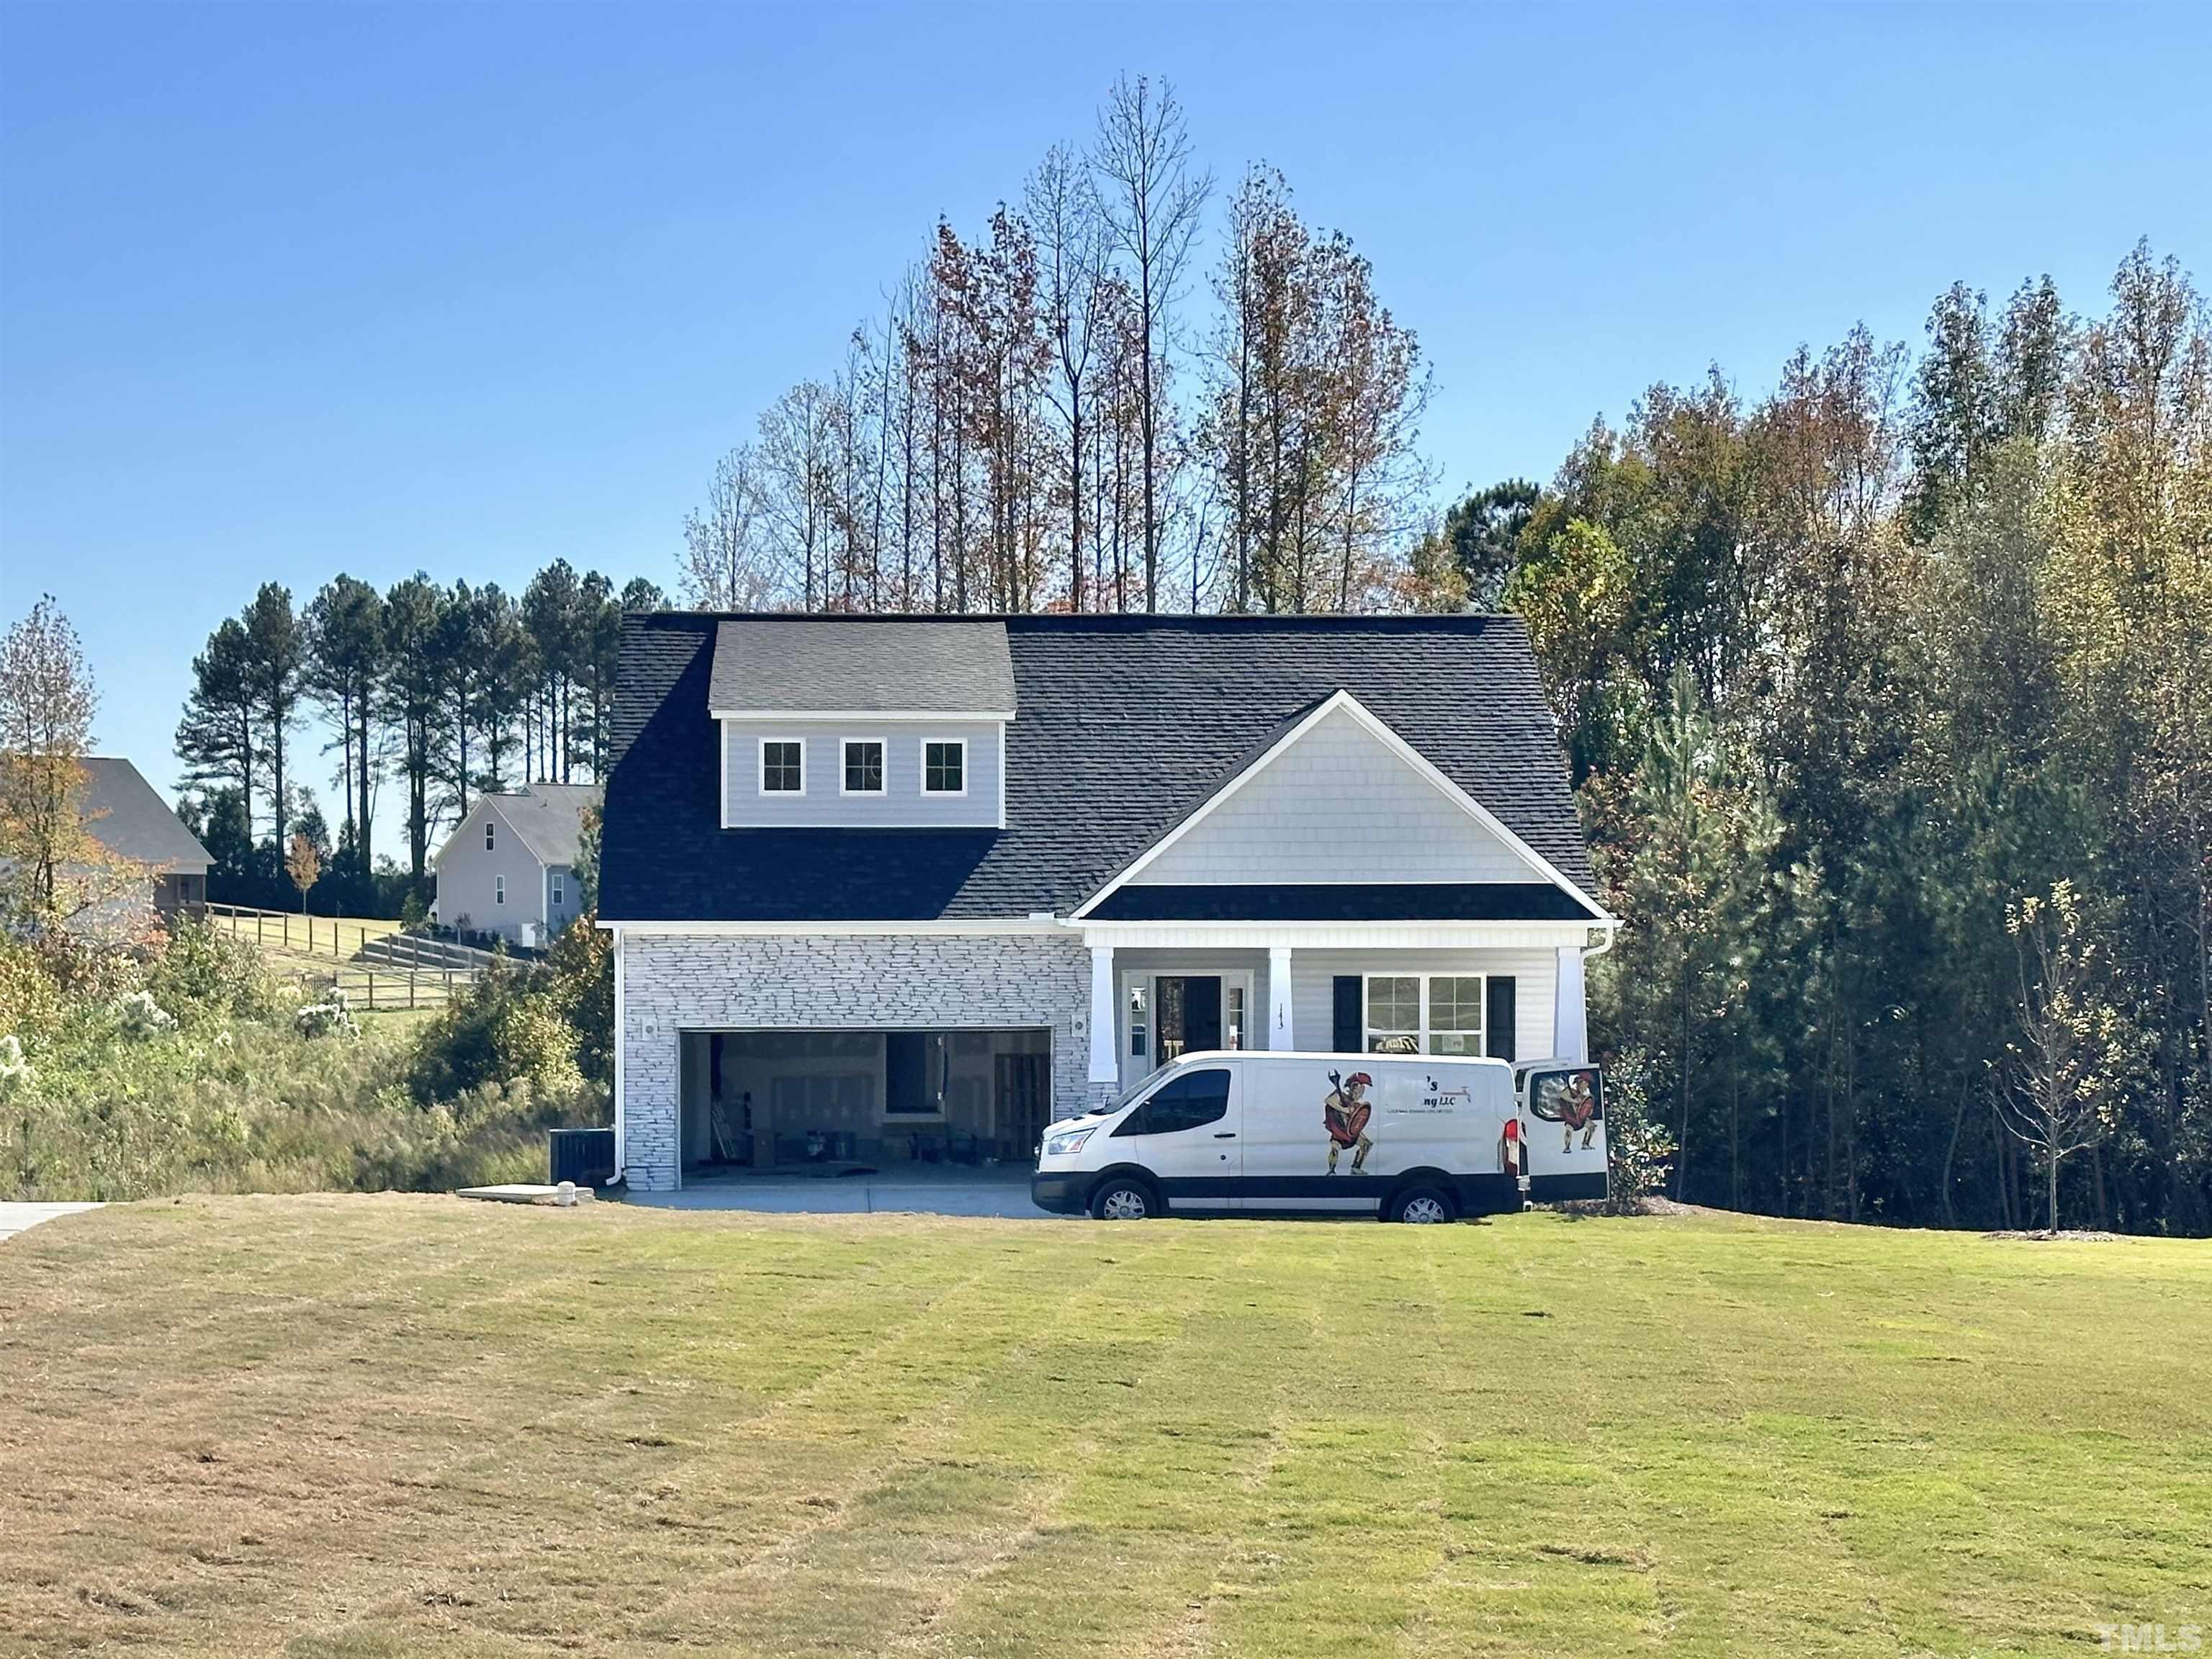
{"x": 122, "y": 812}
{"x": 900, "y": 887}
{"x": 510, "y": 869}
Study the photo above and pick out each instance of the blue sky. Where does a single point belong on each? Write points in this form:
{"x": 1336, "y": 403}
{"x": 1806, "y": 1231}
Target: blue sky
{"x": 290, "y": 290}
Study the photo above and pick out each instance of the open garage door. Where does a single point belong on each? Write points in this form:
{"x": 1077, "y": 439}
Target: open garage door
{"x": 789, "y": 1099}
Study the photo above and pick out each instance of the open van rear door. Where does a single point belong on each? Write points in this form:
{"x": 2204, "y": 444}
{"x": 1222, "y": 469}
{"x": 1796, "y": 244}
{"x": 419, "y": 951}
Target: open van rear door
{"x": 1563, "y": 1130}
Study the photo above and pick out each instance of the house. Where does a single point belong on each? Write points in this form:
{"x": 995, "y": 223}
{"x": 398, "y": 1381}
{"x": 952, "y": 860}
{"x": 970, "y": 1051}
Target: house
{"x": 509, "y": 870}
{"x": 121, "y": 812}
{"x": 885, "y": 888}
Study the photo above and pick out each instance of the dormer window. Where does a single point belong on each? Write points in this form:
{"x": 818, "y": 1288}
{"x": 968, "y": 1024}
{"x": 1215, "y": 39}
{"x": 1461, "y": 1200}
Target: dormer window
{"x": 783, "y": 766}
{"x": 944, "y": 768}
{"x": 864, "y": 766}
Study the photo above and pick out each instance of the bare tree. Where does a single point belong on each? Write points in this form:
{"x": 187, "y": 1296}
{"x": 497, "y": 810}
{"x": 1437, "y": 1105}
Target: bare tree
{"x": 1072, "y": 253}
{"x": 1153, "y": 200}
{"x": 727, "y": 562}
{"x": 798, "y": 461}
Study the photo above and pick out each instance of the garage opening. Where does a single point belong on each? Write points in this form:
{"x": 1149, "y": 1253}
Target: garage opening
{"x": 780, "y": 1100}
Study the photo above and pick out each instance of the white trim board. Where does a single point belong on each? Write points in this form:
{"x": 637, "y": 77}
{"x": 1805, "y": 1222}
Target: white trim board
{"x": 1340, "y": 935}
{"x": 864, "y": 716}
{"x": 1400, "y": 748}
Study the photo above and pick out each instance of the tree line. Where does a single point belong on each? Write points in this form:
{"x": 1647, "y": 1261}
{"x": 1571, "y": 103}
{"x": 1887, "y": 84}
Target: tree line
{"x": 1888, "y": 699}
{"x": 446, "y": 692}
{"x": 1040, "y": 418}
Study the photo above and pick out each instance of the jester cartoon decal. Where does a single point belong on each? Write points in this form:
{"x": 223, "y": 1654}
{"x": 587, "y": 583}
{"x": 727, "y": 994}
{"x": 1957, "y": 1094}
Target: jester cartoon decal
{"x": 1344, "y": 1116}
{"x": 1571, "y": 1100}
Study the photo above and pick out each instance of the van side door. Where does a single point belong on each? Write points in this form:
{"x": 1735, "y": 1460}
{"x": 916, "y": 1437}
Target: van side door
{"x": 1185, "y": 1134}
{"x": 1311, "y": 1142}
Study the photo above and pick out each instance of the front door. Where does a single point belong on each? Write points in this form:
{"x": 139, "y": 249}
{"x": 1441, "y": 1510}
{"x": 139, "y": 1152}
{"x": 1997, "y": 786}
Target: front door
{"x": 1168, "y": 1015}
{"x": 1190, "y": 1013}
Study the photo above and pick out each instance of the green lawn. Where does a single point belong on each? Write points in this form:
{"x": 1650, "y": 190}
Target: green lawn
{"x": 369, "y": 1426}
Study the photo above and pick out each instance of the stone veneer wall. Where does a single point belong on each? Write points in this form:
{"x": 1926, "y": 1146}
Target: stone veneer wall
{"x": 675, "y": 982}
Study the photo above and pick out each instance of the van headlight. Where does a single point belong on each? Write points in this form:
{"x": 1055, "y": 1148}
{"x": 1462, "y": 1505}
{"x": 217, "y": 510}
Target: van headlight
{"x": 1060, "y": 1146}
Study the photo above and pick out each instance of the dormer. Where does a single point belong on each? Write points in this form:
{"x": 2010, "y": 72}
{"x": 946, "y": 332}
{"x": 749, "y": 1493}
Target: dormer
{"x": 853, "y": 723}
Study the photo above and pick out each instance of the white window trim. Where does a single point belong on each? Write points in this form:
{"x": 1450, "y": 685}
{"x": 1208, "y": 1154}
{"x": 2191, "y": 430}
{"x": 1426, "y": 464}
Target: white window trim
{"x": 499, "y": 889}
{"x": 844, "y": 761}
{"x": 560, "y": 890}
{"x": 490, "y": 838}
{"x": 921, "y": 754}
{"x": 1421, "y": 1033}
{"x": 760, "y": 770}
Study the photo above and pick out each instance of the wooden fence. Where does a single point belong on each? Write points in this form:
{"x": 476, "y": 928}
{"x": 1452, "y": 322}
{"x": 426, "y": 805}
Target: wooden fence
{"x": 334, "y": 937}
{"x": 368, "y": 989}
{"x": 377, "y": 965}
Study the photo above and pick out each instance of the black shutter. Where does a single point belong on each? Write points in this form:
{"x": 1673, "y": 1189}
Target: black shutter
{"x": 1497, "y": 1015}
{"x": 1351, "y": 1011}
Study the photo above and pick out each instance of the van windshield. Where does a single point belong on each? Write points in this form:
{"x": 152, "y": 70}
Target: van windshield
{"x": 1133, "y": 1089}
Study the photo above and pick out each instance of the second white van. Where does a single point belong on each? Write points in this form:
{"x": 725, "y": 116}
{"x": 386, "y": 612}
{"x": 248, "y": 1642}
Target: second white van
{"x": 1411, "y": 1138}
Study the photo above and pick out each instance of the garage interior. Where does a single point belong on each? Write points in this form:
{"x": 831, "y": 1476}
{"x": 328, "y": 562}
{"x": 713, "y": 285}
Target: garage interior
{"x": 767, "y": 1101}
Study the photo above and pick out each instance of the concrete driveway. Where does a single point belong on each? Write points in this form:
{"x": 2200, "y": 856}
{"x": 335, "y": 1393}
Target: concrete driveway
{"x": 21, "y": 1218}
{"x": 929, "y": 1190}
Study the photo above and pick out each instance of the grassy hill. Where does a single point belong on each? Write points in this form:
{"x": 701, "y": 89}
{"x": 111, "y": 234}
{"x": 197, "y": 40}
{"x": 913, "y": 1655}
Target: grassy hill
{"x": 350, "y": 1427}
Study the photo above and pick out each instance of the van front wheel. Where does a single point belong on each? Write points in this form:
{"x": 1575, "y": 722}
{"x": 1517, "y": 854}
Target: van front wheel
{"x": 1420, "y": 1206}
{"x": 1124, "y": 1199}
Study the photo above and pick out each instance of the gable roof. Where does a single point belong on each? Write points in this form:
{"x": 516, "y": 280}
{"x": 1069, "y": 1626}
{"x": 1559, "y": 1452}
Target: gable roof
{"x": 848, "y": 665}
{"x": 547, "y": 818}
{"x": 1350, "y": 706}
{"x": 124, "y": 814}
{"x": 1125, "y": 726}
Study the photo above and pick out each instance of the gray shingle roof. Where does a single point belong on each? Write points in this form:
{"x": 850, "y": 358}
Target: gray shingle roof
{"x": 124, "y": 814}
{"x": 1125, "y": 724}
{"x": 828, "y": 665}
{"x": 550, "y": 818}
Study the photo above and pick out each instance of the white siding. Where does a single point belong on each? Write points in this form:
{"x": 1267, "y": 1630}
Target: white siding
{"x": 1535, "y": 974}
{"x": 902, "y": 805}
{"x": 1337, "y": 806}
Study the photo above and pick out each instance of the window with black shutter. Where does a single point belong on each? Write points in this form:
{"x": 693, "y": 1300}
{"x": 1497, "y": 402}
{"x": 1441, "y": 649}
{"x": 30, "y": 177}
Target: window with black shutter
{"x": 1499, "y": 1017}
{"x": 1349, "y": 1015}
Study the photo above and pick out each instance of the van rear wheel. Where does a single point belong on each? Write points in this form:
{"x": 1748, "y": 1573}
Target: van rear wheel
{"x": 1124, "y": 1199}
{"x": 1421, "y": 1207}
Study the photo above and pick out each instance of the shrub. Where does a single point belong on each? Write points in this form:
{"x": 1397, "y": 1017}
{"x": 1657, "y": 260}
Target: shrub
{"x": 30, "y": 1000}
{"x": 1638, "y": 1148}
{"x": 511, "y": 1025}
{"x": 140, "y": 1016}
{"x": 331, "y": 1018}
{"x": 206, "y": 975}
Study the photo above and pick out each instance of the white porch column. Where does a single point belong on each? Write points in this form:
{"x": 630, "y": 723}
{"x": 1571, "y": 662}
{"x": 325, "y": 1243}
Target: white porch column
{"x": 1279, "y": 1035}
{"x": 1570, "y": 1019}
{"x": 1105, "y": 1044}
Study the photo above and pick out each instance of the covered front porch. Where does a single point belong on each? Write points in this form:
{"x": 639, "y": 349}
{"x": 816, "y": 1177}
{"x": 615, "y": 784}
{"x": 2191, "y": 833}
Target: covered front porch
{"x": 1160, "y": 991}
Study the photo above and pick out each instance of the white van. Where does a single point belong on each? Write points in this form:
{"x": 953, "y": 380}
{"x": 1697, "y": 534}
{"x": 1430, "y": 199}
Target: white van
{"x": 1409, "y": 1138}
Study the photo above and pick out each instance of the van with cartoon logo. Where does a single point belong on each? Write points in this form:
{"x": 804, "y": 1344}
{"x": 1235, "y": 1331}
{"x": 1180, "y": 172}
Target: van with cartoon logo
{"x": 1413, "y": 1138}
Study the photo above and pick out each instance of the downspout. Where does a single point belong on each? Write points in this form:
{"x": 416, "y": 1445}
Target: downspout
{"x": 621, "y": 1163}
